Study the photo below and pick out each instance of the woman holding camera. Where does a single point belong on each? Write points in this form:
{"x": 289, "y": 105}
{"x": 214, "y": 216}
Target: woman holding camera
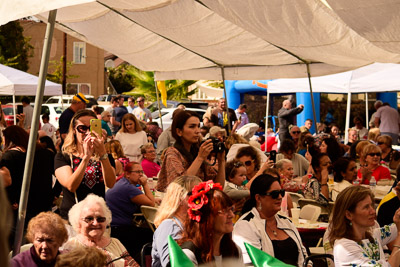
{"x": 186, "y": 157}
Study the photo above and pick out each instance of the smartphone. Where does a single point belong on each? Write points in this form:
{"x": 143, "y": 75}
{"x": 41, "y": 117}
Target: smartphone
{"x": 272, "y": 156}
{"x": 95, "y": 127}
{"x": 20, "y": 109}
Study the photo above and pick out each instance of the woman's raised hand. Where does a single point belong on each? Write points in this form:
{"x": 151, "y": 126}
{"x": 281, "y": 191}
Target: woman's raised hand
{"x": 205, "y": 149}
{"x": 98, "y": 144}
{"x": 88, "y": 148}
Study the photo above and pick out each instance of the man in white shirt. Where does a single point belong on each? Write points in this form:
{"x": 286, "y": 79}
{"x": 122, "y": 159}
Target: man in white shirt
{"x": 131, "y": 104}
{"x": 28, "y": 111}
{"x": 141, "y": 112}
{"x": 241, "y": 115}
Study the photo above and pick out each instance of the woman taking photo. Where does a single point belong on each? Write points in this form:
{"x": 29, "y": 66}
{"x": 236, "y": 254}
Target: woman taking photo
{"x": 186, "y": 157}
{"x": 371, "y": 156}
{"x": 344, "y": 173}
{"x": 132, "y": 137}
{"x": 208, "y": 231}
{"x": 354, "y": 241}
{"x": 264, "y": 229}
{"x": 83, "y": 166}
{"x": 170, "y": 217}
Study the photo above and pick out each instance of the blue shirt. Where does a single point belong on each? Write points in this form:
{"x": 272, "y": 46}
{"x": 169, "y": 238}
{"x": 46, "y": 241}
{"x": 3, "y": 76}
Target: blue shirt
{"x": 119, "y": 201}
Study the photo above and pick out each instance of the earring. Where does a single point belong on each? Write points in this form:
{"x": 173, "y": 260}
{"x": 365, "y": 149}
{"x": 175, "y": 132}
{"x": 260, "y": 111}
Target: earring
{"x": 259, "y": 207}
{"x": 350, "y": 223}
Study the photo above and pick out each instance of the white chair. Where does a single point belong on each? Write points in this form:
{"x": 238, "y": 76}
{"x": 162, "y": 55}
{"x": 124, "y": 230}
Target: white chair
{"x": 310, "y": 212}
{"x": 149, "y": 214}
{"x": 295, "y": 198}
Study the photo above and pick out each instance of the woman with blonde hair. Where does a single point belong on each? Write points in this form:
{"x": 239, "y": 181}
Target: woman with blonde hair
{"x": 131, "y": 136}
{"x": 373, "y": 135}
{"x": 353, "y": 241}
{"x": 170, "y": 217}
{"x": 371, "y": 156}
{"x": 114, "y": 148}
{"x": 83, "y": 166}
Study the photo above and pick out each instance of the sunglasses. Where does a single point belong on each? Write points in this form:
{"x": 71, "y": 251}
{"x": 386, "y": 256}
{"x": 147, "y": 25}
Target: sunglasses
{"x": 374, "y": 154}
{"x": 275, "y": 194}
{"x": 296, "y": 132}
{"x": 90, "y": 219}
{"x": 381, "y": 143}
{"x": 82, "y": 128}
{"x": 248, "y": 162}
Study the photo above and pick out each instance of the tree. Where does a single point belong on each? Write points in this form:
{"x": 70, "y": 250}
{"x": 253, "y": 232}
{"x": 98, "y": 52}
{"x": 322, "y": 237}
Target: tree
{"x": 14, "y": 47}
{"x": 57, "y": 74}
{"x": 121, "y": 79}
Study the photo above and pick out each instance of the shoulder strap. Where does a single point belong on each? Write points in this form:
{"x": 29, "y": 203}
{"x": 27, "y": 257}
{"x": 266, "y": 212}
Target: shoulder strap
{"x": 196, "y": 251}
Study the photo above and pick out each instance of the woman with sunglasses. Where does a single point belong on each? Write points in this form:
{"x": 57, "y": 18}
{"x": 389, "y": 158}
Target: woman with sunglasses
{"x": 207, "y": 235}
{"x": 264, "y": 229}
{"x": 371, "y": 156}
{"x": 89, "y": 219}
{"x": 83, "y": 166}
{"x": 389, "y": 155}
{"x": 187, "y": 156}
{"x": 125, "y": 199}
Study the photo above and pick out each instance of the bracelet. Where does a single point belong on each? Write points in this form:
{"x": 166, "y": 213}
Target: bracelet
{"x": 104, "y": 157}
{"x": 324, "y": 185}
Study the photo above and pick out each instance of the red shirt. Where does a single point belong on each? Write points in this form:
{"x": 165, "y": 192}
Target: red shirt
{"x": 379, "y": 173}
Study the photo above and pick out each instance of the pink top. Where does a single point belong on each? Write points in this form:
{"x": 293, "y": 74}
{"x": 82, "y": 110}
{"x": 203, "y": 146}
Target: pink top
{"x": 150, "y": 168}
{"x": 379, "y": 173}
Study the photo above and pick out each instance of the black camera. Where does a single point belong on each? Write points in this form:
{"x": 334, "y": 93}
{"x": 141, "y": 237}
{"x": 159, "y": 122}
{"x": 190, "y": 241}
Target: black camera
{"x": 271, "y": 155}
{"x": 218, "y": 146}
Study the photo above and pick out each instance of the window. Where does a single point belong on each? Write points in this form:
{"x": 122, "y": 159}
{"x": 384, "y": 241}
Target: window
{"x": 79, "y": 53}
{"x": 74, "y": 88}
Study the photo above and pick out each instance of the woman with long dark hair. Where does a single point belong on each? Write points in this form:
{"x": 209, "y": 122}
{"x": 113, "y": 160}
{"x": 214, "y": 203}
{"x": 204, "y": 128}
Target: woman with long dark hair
{"x": 344, "y": 173}
{"x": 207, "y": 234}
{"x": 186, "y": 157}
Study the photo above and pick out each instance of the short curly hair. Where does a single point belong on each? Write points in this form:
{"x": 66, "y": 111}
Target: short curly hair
{"x": 48, "y": 222}
{"x": 250, "y": 152}
{"x": 82, "y": 256}
{"x": 74, "y": 213}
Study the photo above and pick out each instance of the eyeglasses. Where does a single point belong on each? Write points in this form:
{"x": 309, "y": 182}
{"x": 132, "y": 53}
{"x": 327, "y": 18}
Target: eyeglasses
{"x": 150, "y": 151}
{"x": 139, "y": 172}
{"x": 381, "y": 143}
{"x": 248, "y": 162}
{"x": 275, "y": 194}
{"x": 227, "y": 211}
{"x": 82, "y": 128}
{"x": 140, "y": 101}
{"x": 374, "y": 154}
{"x": 296, "y": 132}
{"x": 90, "y": 219}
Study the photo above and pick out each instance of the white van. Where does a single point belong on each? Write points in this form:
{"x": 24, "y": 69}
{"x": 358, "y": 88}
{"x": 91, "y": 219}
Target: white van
{"x": 66, "y": 99}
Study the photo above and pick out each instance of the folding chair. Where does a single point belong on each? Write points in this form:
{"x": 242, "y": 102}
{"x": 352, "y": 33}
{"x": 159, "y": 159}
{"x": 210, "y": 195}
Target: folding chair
{"x": 149, "y": 214}
{"x": 145, "y": 255}
{"x": 320, "y": 260}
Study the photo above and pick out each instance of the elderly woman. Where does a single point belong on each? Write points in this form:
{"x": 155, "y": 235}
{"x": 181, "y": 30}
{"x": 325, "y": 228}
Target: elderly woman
{"x": 207, "y": 235}
{"x": 353, "y": 241}
{"x": 264, "y": 229}
{"x": 89, "y": 219}
{"x": 47, "y": 232}
{"x": 150, "y": 168}
{"x": 371, "y": 156}
{"x": 285, "y": 169}
{"x": 344, "y": 173}
{"x": 300, "y": 163}
{"x": 83, "y": 166}
{"x": 131, "y": 136}
{"x": 170, "y": 217}
{"x": 389, "y": 155}
{"x": 125, "y": 199}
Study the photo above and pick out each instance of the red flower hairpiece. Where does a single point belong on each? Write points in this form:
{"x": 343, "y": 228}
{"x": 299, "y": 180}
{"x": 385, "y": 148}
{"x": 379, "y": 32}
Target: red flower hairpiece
{"x": 199, "y": 198}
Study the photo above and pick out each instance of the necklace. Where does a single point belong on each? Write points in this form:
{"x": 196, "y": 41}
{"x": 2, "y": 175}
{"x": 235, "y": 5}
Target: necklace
{"x": 273, "y": 231}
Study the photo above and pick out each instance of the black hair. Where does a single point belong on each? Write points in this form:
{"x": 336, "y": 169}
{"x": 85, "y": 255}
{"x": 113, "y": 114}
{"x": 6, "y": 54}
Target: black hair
{"x": 315, "y": 160}
{"x": 26, "y": 100}
{"x": 287, "y": 145}
{"x": 340, "y": 166}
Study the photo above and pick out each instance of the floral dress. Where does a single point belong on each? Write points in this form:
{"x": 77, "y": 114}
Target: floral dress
{"x": 365, "y": 253}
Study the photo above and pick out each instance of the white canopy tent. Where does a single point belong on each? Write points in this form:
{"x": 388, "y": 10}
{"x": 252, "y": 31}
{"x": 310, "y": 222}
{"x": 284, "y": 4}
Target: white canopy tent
{"x": 15, "y": 82}
{"x": 377, "y": 77}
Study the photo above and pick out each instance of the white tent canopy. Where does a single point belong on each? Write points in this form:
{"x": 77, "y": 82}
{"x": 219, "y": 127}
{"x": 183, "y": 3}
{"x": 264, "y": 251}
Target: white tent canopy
{"x": 377, "y": 77}
{"x": 16, "y": 82}
{"x": 251, "y": 39}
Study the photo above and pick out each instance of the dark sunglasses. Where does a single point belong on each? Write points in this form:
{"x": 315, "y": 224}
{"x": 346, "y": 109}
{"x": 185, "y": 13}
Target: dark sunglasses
{"x": 82, "y": 128}
{"x": 381, "y": 143}
{"x": 296, "y": 132}
{"x": 374, "y": 154}
{"x": 248, "y": 162}
{"x": 90, "y": 219}
{"x": 275, "y": 194}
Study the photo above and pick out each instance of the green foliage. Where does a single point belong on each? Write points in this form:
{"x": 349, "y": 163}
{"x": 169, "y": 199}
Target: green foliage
{"x": 126, "y": 77}
{"x": 14, "y": 47}
{"x": 57, "y": 74}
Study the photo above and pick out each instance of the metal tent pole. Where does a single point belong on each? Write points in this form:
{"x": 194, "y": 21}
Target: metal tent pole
{"x": 266, "y": 121}
{"x": 226, "y": 101}
{"x": 366, "y": 111}
{"x": 346, "y": 131}
{"x": 311, "y": 94}
{"x": 33, "y": 133}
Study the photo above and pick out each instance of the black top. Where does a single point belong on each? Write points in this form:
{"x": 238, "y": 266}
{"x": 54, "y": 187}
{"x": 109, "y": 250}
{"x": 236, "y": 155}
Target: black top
{"x": 286, "y": 251}
{"x": 92, "y": 181}
{"x": 65, "y": 120}
{"x": 387, "y": 210}
{"x": 119, "y": 113}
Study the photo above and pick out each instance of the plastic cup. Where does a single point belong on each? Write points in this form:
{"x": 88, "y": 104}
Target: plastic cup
{"x": 295, "y": 215}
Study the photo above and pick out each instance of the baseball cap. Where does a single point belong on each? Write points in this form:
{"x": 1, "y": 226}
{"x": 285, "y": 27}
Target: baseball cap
{"x": 80, "y": 97}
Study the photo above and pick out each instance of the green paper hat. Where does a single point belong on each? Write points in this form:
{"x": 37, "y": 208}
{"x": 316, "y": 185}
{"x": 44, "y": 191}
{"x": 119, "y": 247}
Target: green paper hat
{"x": 177, "y": 257}
{"x": 262, "y": 259}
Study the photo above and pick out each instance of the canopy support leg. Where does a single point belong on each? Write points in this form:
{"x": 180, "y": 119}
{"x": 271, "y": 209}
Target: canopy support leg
{"x": 226, "y": 100}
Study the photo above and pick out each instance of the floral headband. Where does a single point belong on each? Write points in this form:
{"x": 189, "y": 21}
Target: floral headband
{"x": 199, "y": 198}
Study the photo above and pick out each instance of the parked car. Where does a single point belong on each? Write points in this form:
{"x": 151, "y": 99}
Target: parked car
{"x": 66, "y": 100}
{"x": 173, "y": 104}
{"x": 166, "y": 115}
{"x": 8, "y": 114}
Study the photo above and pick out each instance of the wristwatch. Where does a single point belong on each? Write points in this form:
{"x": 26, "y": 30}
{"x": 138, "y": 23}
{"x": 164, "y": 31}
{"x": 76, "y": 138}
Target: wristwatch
{"x": 104, "y": 157}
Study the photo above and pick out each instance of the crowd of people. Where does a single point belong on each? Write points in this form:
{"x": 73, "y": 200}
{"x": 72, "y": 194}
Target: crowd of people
{"x": 215, "y": 186}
